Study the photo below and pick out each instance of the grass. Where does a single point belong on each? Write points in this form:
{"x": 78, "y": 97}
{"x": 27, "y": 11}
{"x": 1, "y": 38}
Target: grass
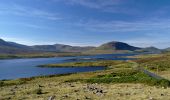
{"x": 27, "y": 80}
{"x": 38, "y": 91}
{"x": 114, "y": 81}
{"x": 129, "y": 76}
{"x": 158, "y": 63}
{"x": 119, "y": 72}
{"x": 14, "y": 82}
{"x": 8, "y": 56}
{"x": 120, "y": 81}
{"x": 161, "y": 62}
{"x": 39, "y": 55}
{"x": 85, "y": 64}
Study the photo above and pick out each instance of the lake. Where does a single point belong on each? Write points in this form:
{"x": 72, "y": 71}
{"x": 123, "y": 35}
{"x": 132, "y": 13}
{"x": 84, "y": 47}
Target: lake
{"x": 24, "y": 68}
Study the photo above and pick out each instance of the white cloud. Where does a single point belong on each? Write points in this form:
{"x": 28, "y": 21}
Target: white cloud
{"x": 14, "y": 9}
{"x": 124, "y": 26}
{"x": 112, "y": 6}
{"x": 98, "y": 4}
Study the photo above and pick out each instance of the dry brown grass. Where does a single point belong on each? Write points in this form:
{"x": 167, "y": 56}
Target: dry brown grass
{"x": 56, "y": 86}
{"x": 62, "y": 90}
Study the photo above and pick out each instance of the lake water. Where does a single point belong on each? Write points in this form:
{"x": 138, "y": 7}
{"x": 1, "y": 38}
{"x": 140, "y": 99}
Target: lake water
{"x": 24, "y": 68}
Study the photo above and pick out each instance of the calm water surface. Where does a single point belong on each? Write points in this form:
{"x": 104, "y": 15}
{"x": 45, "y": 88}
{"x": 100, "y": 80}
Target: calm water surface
{"x": 23, "y": 68}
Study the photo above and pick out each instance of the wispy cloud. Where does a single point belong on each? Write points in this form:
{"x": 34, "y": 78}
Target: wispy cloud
{"x": 18, "y": 10}
{"x": 98, "y": 4}
{"x": 128, "y": 7}
{"x": 153, "y": 32}
{"x": 112, "y": 6}
{"x": 124, "y": 26}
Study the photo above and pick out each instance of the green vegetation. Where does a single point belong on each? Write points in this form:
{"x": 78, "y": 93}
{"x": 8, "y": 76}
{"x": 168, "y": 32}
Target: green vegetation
{"x": 8, "y": 56}
{"x": 85, "y": 64}
{"x": 26, "y": 80}
{"x": 14, "y": 82}
{"x": 129, "y": 76}
{"x": 161, "y": 62}
{"x": 121, "y": 79}
{"x": 125, "y": 72}
{"x": 38, "y": 91}
{"x": 39, "y": 55}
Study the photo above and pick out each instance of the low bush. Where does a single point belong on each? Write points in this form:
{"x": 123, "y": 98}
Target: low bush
{"x": 164, "y": 83}
{"x": 38, "y": 91}
{"x": 1, "y": 83}
{"x": 129, "y": 76}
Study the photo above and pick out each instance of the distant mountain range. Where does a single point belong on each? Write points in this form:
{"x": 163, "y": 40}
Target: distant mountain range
{"x": 110, "y": 47}
{"x": 167, "y": 49}
{"x": 150, "y": 50}
{"x": 60, "y": 48}
{"x": 13, "y": 48}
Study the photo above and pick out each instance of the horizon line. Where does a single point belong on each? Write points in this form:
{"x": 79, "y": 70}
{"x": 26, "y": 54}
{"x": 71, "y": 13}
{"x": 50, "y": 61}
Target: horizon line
{"x": 131, "y": 44}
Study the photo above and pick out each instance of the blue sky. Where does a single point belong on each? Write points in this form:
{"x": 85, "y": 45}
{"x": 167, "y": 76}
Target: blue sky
{"x": 140, "y": 23}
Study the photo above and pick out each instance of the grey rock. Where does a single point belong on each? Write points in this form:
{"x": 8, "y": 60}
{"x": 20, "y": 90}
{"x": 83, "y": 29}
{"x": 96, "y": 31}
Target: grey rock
{"x": 51, "y": 98}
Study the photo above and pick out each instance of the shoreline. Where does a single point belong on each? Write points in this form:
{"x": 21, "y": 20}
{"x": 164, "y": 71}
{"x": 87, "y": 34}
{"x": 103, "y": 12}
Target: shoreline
{"x": 54, "y": 75}
{"x": 50, "y": 55}
{"x": 119, "y": 81}
{"x": 103, "y": 63}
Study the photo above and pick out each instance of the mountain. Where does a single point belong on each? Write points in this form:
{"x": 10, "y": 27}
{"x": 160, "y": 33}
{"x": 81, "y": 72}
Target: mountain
{"x": 113, "y": 47}
{"x": 107, "y": 48}
{"x": 15, "y": 48}
{"x": 167, "y": 49}
{"x": 61, "y": 48}
{"x": 12, "y": 44}
{"x": 150, "y": 50}
{"x": 118, "y": 46}
{"x": 12, "y": 48}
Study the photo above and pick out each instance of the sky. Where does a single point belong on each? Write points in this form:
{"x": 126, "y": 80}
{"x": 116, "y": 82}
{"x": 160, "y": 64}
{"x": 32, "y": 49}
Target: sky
{"x": 141, "y": 23}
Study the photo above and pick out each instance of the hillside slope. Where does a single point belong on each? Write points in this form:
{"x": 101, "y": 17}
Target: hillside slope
{"x": 113, "y": 47}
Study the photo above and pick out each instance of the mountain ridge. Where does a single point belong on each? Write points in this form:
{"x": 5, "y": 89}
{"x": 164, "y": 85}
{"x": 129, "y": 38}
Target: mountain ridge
{"x": 109, "y": 47}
